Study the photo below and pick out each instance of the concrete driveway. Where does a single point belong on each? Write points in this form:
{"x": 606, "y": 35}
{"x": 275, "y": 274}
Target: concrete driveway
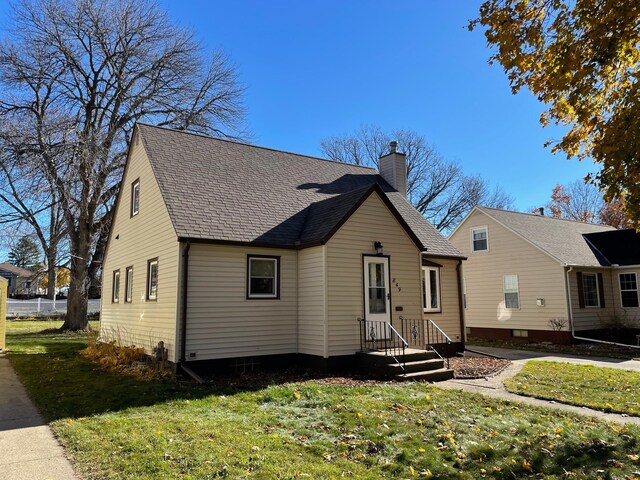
{"x": 522, "y": 356}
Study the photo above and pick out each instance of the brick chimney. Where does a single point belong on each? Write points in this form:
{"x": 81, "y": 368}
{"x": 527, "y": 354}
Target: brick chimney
{"x": 393, "y": 168}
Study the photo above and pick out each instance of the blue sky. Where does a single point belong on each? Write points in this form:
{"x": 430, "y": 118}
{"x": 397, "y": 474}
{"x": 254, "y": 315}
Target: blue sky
{"x": 315, "y": 68}
{"x": 319, "y": 68}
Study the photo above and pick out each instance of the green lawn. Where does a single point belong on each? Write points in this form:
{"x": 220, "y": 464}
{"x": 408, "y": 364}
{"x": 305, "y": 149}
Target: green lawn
{"x": 608, "y": 389}
{"x": 116, "y": 427}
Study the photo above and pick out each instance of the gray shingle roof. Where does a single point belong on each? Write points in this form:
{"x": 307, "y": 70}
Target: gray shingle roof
{"x": 562, "y": 239}
{"x": 219, "y": 190}
{"x": 19, "y": 271}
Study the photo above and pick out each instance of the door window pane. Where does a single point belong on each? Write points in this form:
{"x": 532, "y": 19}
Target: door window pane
{"x": 433, "y": 286}
{"x": 377, "y": 289}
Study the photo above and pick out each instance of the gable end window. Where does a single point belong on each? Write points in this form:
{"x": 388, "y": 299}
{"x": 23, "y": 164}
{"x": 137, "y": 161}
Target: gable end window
{"x": 152, "y": 279}
{"x": 263, "y": 277}
{"x": 629, "y": 290}
{"x": 479, "y": 239}
{"x": 590, "y": 290}
{"x": 511, "y": 291}
{"x": 128, "y": 285}
{"x": 135, "y": 197}
{"x": 431, "y": 289}
{"x": 115, "y": 293}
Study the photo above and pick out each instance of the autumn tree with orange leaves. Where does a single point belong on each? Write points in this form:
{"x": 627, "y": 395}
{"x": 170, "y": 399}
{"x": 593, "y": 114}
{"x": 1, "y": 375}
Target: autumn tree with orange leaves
{"x": 581, "y": 58}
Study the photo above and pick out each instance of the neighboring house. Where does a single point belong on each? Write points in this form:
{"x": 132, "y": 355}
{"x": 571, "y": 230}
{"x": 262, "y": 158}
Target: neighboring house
{"x": 21, "y": 281}
{"x": 523, "y": 268}
{"x": 224, "y": 250}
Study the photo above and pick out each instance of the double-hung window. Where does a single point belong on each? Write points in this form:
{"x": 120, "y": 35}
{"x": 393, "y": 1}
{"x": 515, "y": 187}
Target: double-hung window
{"x": 263, "y": 277}
{"x": 511, "y": 291}
{"x": 479, "y": 239}
{"x": 115, "y": 293}
{"x": 629, "y": 290}
{"x": 128, "y": 285}
{"x": 590, "y": 290}
{"x": 152, "y": 279}
{"x": 431, "y": 289}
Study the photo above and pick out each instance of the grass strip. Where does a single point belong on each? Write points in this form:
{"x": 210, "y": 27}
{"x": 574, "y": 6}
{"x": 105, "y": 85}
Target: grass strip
{"x": 601, "y": 388}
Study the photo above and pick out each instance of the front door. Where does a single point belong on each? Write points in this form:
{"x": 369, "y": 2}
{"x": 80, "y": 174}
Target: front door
{"x": 377, "y": 298}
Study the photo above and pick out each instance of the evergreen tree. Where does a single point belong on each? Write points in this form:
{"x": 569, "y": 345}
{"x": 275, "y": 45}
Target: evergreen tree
{"x": 25, "y": 253}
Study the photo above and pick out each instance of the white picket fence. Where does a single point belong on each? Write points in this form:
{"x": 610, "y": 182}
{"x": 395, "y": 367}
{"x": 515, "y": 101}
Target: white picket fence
{"x": 43, "y": 307}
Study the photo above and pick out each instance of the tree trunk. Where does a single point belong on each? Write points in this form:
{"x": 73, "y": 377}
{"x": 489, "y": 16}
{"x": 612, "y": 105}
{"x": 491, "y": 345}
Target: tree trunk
{"x": 95, "y": 267}
{"x": 77, "y": 302}
{"x": 51, "y": 273}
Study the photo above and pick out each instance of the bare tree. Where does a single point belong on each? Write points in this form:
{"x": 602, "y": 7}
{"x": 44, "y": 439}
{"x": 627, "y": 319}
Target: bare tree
{"x": 583, "y": 202}
{"x": 577, "y": 201}
{"x": 435, "y": 186}
{"x": 29, "y": 200}
{"x": 79, "y": 74}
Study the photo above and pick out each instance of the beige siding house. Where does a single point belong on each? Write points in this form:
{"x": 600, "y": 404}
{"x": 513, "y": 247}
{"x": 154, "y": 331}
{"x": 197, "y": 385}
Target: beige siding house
{"x": 537, "y": 278}
{"x": 238, "y": 254}
{"x": 21, "y": 282}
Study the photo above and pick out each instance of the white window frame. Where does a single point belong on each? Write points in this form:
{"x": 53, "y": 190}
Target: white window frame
{"x": 276, "y": 277}
{"x": 627, "y": 290}
{"x": 128, "y": 285}
{"x": 584, "y": 296}
{"x": 135, "y": 189}
{"x": 426, "y": 285}
{"x": 504, "y": 290}
{"x": 115, "y": 288}
{"x": 150, "y": 264}
{"x": 481, "y": 228}
{"x": 519, "y": 333}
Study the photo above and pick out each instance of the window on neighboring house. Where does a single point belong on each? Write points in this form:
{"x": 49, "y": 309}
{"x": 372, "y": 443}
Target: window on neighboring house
{"x": 115, "y": 294}
{"x": 590, "y": 290}
{"x": 128, "y": 285}
{"x": 135, "y": 197}
{"x": 479, "y": 239}
{"x": 431, "y": 289}
{"x": 152, "y": 279}
{"x": 519, "y": 333}
{"x": 263, "y": 277}
{"x": 629, "y": 290}
{"x": 511, "y": 293}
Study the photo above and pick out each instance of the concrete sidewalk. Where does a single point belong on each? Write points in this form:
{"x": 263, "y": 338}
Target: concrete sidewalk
{"x": 28, "y": 448}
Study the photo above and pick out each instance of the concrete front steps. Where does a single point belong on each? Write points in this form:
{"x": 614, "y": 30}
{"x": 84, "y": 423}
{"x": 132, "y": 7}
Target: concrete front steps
{"x": 423, "y": 365}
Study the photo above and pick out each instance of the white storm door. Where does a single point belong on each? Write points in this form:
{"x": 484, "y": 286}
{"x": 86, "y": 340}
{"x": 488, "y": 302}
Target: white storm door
{"x": 377, "y": 298}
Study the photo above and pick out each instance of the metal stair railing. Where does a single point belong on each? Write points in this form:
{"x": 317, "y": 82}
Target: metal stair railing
{"x": 436, "y": 336}
{"x": 380, "y": 335}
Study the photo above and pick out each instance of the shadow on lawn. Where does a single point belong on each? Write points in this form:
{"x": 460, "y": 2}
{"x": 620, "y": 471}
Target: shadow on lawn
{"x": 63, "y": 384}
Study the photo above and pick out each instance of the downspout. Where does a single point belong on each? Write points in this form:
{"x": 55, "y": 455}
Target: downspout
{"x": 183, "y": 316}
{"x": 573, "y": 333}
{"x": 463, "y": 332}
{"x": 568, "y": 286}
{"x": 183, "y": 312}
